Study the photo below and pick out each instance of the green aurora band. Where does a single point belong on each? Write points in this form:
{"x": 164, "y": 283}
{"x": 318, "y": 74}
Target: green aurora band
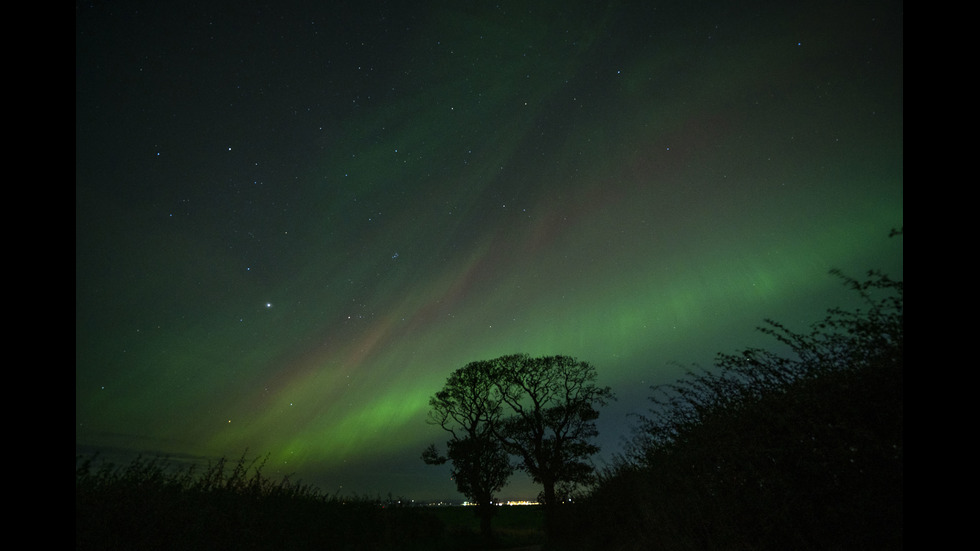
{"x": 468, "y": 213}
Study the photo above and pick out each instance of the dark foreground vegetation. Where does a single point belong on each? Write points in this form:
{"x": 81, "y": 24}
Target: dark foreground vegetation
{"x": 150, "y": 504}
{"x": 798, "y": 450}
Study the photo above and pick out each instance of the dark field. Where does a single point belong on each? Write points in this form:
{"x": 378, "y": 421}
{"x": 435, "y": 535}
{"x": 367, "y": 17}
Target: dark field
{"x": 513, "y": 526}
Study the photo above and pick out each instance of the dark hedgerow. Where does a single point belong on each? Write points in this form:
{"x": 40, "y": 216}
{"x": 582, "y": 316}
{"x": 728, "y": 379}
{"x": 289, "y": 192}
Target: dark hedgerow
{"x": 802, "y": 450}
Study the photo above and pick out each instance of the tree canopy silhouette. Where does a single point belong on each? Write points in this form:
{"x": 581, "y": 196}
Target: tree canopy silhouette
{"x": 542, "y": 410}
{"x": 555, "y": 401}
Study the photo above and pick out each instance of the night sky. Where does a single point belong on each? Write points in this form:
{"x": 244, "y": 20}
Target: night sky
{"x": 293, "y": 220}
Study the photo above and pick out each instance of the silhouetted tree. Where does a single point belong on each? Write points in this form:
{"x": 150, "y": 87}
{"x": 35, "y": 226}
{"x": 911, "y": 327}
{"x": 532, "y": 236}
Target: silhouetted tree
{"x": 469, "y": 408}
{"x": 542, "y": 410}
{"x": 554, "y": 400}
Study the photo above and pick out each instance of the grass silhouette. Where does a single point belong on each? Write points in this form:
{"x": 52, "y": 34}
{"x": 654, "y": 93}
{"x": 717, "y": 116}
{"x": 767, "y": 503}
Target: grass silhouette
{"x": 150, "y": 505}
{"x": 153, "y": 504}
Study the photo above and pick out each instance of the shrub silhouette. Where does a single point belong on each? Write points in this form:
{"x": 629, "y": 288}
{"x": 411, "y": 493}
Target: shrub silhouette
{"x": 800, "y": 450}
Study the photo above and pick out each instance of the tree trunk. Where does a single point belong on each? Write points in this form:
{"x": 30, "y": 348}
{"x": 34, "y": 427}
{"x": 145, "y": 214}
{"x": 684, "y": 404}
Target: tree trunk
{"x": 550, "y": 508}
{"x": 486, "y": 512}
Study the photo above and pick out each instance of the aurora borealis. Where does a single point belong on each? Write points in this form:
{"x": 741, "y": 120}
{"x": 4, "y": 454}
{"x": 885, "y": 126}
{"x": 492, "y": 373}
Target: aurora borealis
{"x": 294, "y": 220}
